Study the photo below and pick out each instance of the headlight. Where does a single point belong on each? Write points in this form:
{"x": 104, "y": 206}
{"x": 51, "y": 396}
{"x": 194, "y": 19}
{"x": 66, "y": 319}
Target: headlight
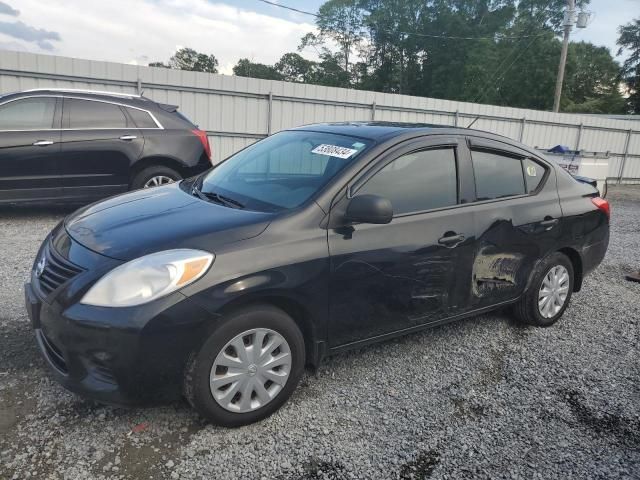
{"x": 147, "y": 278}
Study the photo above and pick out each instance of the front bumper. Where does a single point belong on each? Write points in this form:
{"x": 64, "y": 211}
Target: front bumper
{"x": 120, "y": 356}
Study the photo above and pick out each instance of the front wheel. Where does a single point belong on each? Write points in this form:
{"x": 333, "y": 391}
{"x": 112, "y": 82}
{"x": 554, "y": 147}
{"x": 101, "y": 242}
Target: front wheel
{"x": 154, "y": 176}
{"x": 247, "y": 369}
{"x": 549, "y": 293}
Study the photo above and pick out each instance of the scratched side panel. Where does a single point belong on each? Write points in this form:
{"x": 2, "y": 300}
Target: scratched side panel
{"x": 386, "y": 278}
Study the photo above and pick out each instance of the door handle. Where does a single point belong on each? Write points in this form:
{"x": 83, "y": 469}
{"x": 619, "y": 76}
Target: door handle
{"x": 451, "y": 241}
{"x": 128, "y": 137}
{"x": 549, "y": 222}
{"x": 42, "y": 143}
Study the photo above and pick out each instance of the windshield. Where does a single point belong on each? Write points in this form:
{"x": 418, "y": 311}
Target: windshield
{"x": 280, "y": 172}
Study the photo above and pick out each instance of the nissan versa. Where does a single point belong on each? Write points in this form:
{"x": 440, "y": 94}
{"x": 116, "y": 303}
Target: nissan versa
{"x": 318, "y": 239}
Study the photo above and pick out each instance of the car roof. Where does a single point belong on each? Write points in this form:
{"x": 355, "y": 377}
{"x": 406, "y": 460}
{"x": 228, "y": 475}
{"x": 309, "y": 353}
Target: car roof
{"x": 115, "y": 97}
{"x": 383, "y": 131}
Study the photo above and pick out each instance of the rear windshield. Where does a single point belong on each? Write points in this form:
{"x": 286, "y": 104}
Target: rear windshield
{"x": 284, "y": 170}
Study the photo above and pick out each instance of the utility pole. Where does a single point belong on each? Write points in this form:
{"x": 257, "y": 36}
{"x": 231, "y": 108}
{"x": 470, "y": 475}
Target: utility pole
{"x": 569, "y": 20}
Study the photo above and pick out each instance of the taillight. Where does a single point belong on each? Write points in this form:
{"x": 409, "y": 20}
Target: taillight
{"x": 602, "y": 204}
{"x": 202, "y": 135}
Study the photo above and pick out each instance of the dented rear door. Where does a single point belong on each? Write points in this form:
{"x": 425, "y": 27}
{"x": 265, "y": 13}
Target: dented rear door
{"x": 515, "y": 228}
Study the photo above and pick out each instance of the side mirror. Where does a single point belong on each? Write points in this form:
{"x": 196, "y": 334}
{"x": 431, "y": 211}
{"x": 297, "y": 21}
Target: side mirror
{"x": 369, "y": 209}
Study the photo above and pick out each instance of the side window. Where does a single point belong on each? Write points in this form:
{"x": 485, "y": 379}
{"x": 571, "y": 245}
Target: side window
{"x": 141, "y": 118}
{"x": 88, "y": 114}
{"x": 28, "y": 114}
{"x": 496, "y": 175}
{"x": 533, "y": 174}
{"x": 417, "y": 181}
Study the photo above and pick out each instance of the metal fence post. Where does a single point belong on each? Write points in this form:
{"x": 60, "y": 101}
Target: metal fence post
{"x": 456, "y": 118}
{"x": 579, "y": 139}
{"x": 625, "y": 154}
{"x": 269, "y": 113}
{"x": 139, "y": 86}
{"x": 523, "y": 124}
{"x": 373, "y": 111}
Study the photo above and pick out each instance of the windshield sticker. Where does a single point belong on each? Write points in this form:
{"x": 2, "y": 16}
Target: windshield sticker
{"x": 531, "y": 171}
{"x": 358, "y": 145}
{"x": 334, "y": 151}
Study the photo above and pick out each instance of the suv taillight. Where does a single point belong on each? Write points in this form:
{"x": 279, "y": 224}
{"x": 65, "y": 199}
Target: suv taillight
{"x": 202, "y": 135}
{"x": 602, "y": 204}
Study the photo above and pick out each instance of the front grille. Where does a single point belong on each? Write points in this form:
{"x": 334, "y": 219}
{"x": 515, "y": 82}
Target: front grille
{"x": 52, "y": 352}
{"x": 57, "y": 270}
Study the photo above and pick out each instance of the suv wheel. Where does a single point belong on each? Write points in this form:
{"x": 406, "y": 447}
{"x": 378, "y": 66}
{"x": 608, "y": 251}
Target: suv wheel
{"x": 248, "y": 367}
{"x": 154, "y": 176}
{"x": 548, "y": 296}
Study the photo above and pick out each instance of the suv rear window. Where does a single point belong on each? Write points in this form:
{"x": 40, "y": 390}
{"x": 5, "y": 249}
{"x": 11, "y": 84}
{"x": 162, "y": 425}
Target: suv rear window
{"x": 84, "y": 114}
{"x": 141, "y": 118}
{"x": 496, "y": 175}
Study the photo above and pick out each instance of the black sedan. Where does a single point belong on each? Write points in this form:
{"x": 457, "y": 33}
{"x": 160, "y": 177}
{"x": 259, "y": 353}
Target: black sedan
{"x": 312, "y": 241}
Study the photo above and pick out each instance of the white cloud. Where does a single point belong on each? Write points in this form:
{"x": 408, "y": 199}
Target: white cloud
{"x": 135, "y": 31}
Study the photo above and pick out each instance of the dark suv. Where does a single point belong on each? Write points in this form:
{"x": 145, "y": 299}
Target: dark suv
{"x": 79, "y": 145}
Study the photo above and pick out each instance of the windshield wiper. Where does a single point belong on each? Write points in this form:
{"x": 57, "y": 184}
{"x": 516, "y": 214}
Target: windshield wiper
{"x": 216, "y": 197}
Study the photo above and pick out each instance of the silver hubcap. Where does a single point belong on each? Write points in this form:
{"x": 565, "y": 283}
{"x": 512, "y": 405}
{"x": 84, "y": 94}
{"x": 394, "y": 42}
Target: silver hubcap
{"x": 251, "y": 370}
{"x": 158, "y": 180}
{"x": 553, "y": 292}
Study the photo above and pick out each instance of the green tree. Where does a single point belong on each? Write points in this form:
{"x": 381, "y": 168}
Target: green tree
{"x": 629, "y": 39}
{"x": 341, "y": 21}
{"x": 293, "y": 67}
{"x": 189, "y": 59}
{"x": 592, "y": 81}
{"x": 159, "y": 65}
{"x": 247, "y": 68}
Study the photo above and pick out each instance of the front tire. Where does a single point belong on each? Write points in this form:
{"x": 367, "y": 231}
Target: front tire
{"x": 248, "y": 368}
{"x": 549, "y": 293}
{"x": 154, "y": 176}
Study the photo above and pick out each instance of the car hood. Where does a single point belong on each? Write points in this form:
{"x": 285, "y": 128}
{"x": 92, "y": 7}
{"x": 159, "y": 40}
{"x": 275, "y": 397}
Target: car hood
{"x": 161, "y": 218}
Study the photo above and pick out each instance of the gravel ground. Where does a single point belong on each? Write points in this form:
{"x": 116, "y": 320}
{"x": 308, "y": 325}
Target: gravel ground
{"x": 482, "y": 398}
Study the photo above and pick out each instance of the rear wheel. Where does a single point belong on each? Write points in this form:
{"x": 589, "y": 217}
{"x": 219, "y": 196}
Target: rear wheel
{"x": 154, "y": 176}
{"x": 549, "y": 293}
{"x": 247, "y": 369}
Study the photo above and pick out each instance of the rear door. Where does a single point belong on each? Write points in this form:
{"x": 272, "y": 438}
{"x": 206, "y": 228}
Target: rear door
{"x": 29, "y": 149}
{"x": 415, "y": 270}
{"x": 516, "y": 214}
{"x": 99, "y": 144}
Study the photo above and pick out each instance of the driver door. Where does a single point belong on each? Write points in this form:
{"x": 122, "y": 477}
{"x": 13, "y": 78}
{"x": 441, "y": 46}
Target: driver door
{"x": 414, "y": 271}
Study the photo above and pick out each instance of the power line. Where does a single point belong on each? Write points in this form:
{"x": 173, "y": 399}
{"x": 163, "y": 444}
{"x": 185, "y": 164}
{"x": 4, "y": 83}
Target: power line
{"x": 289, "y": 8}
{"x": 498, "y": 74}
{"x": 425, "y": 35}
{"x": 504, "y": 72}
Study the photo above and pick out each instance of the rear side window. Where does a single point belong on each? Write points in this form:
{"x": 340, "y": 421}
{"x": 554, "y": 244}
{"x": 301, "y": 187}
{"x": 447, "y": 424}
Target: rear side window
{"x": 417, "y": 181}
{"x": 28, "y": 114}
{"x": 141, "y": 118}
{"x": 84, "y": 114}
{"x": 533, "y": 174}
{"x": 496, "y": 175}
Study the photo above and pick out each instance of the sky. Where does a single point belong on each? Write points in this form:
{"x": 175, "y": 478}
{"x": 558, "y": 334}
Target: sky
{"x": 142, "y": 31}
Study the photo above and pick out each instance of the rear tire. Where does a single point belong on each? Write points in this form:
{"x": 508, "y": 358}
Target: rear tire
{"x": 549, "y": 293}
{"x": 155, "y": 175}
{"x": 231, "y": 343}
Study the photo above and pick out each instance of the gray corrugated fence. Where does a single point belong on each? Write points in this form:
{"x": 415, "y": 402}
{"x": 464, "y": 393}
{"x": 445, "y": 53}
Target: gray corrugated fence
{"x": 236, "y": 110}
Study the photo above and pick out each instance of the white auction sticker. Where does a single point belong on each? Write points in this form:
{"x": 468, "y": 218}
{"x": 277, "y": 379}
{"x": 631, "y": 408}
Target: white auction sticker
{"x": 334, "y": 151}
